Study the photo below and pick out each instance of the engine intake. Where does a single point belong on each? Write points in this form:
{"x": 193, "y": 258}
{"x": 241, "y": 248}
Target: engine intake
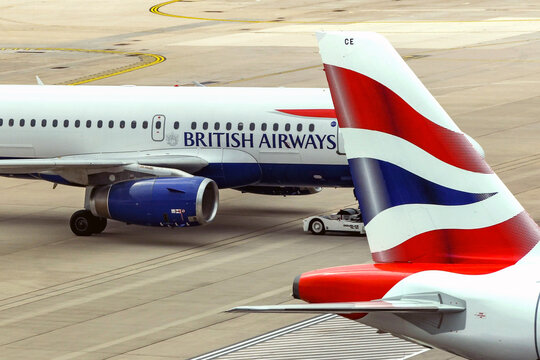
{"x": 173, "y": 202}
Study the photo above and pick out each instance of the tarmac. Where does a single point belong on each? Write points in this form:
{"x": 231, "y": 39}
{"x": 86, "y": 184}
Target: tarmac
{"x": 145, "y": 293}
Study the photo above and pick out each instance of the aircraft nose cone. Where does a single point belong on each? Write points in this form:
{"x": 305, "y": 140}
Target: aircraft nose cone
{"x": 295, "y": 287}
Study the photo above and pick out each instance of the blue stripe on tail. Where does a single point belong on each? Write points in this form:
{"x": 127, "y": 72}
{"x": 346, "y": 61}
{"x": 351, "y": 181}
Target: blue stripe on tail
{"x": 380, "y": 185}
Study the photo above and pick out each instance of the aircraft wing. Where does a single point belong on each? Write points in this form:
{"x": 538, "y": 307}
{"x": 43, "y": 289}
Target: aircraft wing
{"x": 24, "y": 166}
{"x": 106, "y": 168}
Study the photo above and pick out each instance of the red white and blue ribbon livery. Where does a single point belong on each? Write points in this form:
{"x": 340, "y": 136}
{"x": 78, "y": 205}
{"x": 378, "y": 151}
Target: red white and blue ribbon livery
{"x": 457, "y": 259}
{"x": 425, "y": 193}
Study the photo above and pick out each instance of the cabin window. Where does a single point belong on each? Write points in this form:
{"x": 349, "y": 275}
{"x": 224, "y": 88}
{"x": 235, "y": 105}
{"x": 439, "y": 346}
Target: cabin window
{"x": 1, "y": 122}
{"x": 205, "y": 126}
{"x": 33, "y": 122}
{"x": 240, "y": 126}
{"x": 21, "y": 122}
{"x": 11, "y": 122}
{"x": 299, "y": 127}
{"x": 311, "y": 127}
{"x": 133, "y": 124}
{"x": 276, "y": 127}
{"x": 176, "y": 125}
{"x": 111, "y": 124}
{"x": 55, "y": 123}
{"x": 263, "y": 126}
{"x": 193, "y": 125}
{"x": 43, "y": 122}
{"x": 66, "y": 123}
{"x": 145, "y": 125}
{"x": 100, "y": 124}
{"x": 287, "y": 127}
{"x": 123, "y": 124}
{"x": 89, "y": 123}
{"x": 216, "y": 126}
{"x": 252, "y": 126}
{"x": 228, "y": 126}
{"x": 77, "y": 123}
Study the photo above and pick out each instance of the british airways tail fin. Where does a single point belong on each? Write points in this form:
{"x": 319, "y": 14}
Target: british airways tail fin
{"x": 426, "y": 195}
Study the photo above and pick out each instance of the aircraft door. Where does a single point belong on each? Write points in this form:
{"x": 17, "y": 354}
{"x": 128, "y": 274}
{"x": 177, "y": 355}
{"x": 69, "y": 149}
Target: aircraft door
{"x": 158, "y": 127}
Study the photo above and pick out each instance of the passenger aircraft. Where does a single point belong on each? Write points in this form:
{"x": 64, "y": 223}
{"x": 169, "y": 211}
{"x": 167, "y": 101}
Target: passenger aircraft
{"x": 457, "y": 259}
{"x": 157, "y": 155}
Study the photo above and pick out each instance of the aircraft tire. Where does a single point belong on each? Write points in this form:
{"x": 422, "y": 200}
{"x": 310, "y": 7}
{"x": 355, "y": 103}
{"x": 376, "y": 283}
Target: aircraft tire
{"x": 82, "y": 223}
{"x": 316, "y": 227}
{"x": 100, "y": 225}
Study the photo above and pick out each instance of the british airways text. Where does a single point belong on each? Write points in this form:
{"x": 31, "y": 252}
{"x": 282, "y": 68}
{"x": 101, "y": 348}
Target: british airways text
{"x": 268, "y": 141}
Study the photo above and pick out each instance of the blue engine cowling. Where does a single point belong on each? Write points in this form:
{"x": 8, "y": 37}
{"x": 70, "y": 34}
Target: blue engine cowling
{"x": 157, "y": 202}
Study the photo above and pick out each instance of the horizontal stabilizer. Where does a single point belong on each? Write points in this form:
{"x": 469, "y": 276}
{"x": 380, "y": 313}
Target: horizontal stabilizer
{"x": 417, "y": 303}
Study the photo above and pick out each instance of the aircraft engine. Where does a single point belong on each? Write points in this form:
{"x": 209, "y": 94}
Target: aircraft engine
{"x": 173, "y": 202}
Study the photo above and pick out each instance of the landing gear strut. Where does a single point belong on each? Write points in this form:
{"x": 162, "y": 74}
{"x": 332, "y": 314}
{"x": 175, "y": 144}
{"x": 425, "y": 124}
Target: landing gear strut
{"x": 84, "y": 223}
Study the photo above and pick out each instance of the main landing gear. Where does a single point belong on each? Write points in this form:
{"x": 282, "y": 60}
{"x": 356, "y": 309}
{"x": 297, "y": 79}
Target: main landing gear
{"x": 84, "y": 223}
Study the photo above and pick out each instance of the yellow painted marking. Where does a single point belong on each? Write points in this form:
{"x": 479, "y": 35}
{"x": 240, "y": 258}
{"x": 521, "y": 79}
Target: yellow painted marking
{"x": 145, "y": 60}
{"x": 156, "y": 9}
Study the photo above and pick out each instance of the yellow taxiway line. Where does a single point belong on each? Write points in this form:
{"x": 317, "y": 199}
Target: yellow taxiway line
{"x": 156, "y": 9}
{"x": 145, "y": 60}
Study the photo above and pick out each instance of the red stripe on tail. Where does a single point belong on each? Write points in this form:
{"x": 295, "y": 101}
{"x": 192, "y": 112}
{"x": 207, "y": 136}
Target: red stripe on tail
{"x": 504, "y": 243}
{"x": 364, "y": 103}
{"x": 320, "y": 113}
{"x": 368, "y": 282}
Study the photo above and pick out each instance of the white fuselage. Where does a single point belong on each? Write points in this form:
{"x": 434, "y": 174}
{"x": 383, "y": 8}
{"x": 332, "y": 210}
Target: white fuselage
{"x": 222, "y": 125}
{"x": 501, "y": 320}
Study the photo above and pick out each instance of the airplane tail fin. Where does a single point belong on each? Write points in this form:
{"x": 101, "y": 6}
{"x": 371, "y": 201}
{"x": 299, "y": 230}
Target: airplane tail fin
{"x": 425, "y": 193}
